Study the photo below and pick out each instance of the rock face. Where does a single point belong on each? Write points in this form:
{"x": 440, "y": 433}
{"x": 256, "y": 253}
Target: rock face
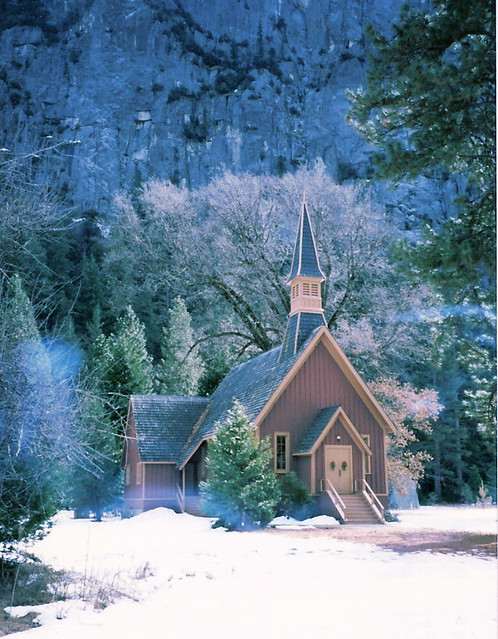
{"x": 182, "y": 90}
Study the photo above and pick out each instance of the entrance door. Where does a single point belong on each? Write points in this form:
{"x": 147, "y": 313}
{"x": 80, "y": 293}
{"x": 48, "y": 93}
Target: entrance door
{"x": 339, "y": 468}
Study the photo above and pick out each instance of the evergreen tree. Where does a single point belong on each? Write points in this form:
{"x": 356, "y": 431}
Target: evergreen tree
{"x": 180, "y": 368}
{"x": 241, "y": 489}
{"x": 429, "y": 105}
{"x": 123, "y": 366}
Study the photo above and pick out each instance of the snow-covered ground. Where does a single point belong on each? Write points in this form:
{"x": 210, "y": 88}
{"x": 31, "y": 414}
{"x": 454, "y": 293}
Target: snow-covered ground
{"x": 181, "y": 578}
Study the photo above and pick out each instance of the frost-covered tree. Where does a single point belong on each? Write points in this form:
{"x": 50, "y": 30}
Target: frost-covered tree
{"x": 96, "y": 482}
{"x": 412, "y": 412}
{"x": 37, "y": 437}
{"x": 180, "y": 368}
{"x": 229, "y": 245}
{"x": 241, "y": 489}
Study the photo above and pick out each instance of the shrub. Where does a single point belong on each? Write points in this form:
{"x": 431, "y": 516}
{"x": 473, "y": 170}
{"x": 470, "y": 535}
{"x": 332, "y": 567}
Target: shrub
{"x": 295, "y": 498}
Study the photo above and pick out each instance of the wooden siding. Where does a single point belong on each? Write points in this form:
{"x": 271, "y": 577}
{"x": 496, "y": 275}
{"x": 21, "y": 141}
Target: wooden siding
{"x": 320, "y": 383}
{"x": 160, "y": 481}
{"x": 133, "y": 491}
{"x": 302, "y": 466}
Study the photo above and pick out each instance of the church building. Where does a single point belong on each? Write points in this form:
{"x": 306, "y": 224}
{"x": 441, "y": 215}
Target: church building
{"x": 323, "y": 422}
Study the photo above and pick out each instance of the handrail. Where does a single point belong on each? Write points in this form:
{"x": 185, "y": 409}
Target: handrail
{"x": 336, "y": 500}
{"x": 180, "y": 496}
{"x": 372, "y": 499}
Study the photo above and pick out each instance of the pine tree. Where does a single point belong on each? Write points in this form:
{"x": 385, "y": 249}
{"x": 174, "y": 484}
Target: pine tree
{"x": 429, "y": 106}
{"x": 180, "y": 368}
{"x": 241, "y": 489}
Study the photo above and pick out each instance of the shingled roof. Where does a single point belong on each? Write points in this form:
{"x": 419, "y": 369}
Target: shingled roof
{"x": 315, "y": 430}
{"x": 305, "y": 259}
{"x": 252, "y": 383}
{"x": 164, "y": 424}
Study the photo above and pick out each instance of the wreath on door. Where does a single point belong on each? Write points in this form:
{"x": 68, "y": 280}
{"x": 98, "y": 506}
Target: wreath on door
{"x": 344, "y": 465}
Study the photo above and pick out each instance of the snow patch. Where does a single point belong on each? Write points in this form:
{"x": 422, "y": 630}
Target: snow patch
{"x": 213, "y": 583}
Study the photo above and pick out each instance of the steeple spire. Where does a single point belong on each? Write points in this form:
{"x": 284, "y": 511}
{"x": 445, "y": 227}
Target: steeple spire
{"x": 305, "y": 280}
{"x": 305, "y": 259}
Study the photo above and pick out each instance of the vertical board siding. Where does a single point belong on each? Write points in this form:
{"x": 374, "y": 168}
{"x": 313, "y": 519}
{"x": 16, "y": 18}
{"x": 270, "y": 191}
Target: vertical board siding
{"x": 320, "y": 383}
{"x": 302, "y": 468}
{"x": 160, "y": 481}
{"x": 132, "y": 491}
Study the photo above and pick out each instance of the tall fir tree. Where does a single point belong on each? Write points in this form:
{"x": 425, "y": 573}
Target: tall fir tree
{"x": 241, "y": 489}
{"x": 123, "y": 366}
{"x": 180, "y": 368}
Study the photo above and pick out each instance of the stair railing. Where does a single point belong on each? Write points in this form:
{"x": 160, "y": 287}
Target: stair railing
{"x": 180, "y": 497}
{"x": 335, "y": 498}
{"x": 372, "y": 499}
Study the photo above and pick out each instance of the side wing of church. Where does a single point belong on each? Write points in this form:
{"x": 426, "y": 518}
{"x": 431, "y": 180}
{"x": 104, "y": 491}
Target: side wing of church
{"x": 305, "y": 395}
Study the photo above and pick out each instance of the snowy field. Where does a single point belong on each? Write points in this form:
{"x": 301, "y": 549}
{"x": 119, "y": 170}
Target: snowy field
{"x": 181, "y": 578}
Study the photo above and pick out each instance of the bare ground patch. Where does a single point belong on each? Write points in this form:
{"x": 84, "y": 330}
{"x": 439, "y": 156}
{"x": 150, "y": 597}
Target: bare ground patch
{"x": 406, "y": 541}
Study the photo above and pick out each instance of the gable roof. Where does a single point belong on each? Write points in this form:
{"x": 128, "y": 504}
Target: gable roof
{"x": 305, "y": 258}
{"x": 321, "y": 425}
{"x": 253, "y": 383}
{"x": 260, "y": 381}
{"x": 163, "y": 424}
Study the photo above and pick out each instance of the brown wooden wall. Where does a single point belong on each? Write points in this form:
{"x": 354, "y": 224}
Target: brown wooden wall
{"x": 133, "y": 490}
{"x": 160, "y": 481}
{"x": 318, "y": 384}
{"x": 151, "y": 484}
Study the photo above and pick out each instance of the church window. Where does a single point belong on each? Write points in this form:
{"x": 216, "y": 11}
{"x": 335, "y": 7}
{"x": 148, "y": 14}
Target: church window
{"x": 314, "y": 290}
{"x": 282, "y": 453}
{"x": 306, "y": 288}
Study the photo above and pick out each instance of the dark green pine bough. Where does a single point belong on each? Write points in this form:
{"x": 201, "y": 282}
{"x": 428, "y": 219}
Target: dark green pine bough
{"x": 429, "y": 106}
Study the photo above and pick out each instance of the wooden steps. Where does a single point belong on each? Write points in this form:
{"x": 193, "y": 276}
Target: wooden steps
{"x": 359, "y": 511}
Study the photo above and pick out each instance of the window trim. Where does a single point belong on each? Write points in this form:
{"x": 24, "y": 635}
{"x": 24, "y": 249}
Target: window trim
{"x": 367, "y": 459}
{"x": 139, "y": 475}
{"x": 286, "y": 435}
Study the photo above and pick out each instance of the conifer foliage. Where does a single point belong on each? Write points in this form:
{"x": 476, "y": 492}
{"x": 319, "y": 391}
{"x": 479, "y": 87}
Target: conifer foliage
{"x": 241, "y": 489}
{"x": 122, "y": 365}
{"x": 180, "y": 367}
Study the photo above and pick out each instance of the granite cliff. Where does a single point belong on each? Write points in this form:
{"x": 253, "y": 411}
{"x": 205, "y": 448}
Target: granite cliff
{"x": 183, "y": 89}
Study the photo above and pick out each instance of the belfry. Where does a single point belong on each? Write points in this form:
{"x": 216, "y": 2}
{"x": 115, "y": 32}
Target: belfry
{"x": 305, "y": 281}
